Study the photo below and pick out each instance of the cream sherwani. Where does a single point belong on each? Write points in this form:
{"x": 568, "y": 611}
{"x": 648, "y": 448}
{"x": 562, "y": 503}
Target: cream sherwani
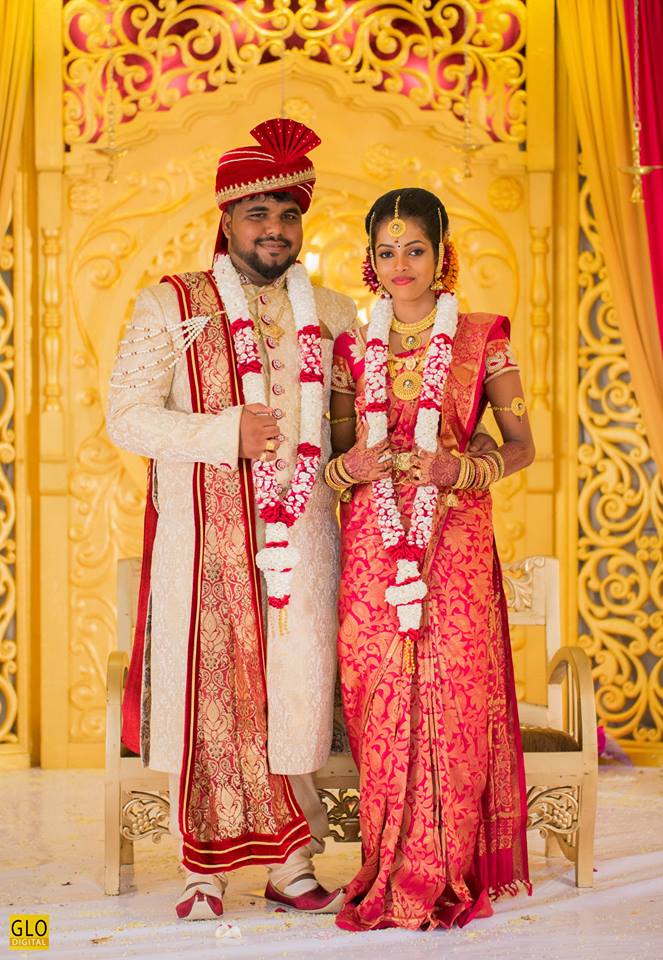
{"x": 156, "y": 421}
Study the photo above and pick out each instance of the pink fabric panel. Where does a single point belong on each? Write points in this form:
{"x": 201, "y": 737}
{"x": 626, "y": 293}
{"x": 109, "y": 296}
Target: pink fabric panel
{"x": 651, "y": 136}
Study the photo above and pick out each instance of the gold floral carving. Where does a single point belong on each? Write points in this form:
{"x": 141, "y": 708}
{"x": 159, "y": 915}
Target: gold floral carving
{"x": 8, "y": 652}
{"x": 505, "y": 194}
{"x": 299, "y": 109}
{"x": 540, "y": 316}
{"x": 518, "y": 581}
{"x": 106, "y": 525}
{"x": 553, "y": 810}
{"x": 620, "y": 513}
{"x": 52, "y": 297}
{"x": 163, "y": 51}
{"x": 342, "y": 807}
{"x": 144, "y": 815}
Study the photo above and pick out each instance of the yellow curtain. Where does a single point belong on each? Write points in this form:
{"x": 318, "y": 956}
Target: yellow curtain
{"x": 596, "y": 53}
{"x": 16, "y": 32}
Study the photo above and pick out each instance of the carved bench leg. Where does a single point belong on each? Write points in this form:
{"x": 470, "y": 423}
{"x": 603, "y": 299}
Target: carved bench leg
{"x": 552, "y": 846}
{"x": 112, "y": 839}
{"x": 585, "y": 836}
{"x": 126, "y": 851}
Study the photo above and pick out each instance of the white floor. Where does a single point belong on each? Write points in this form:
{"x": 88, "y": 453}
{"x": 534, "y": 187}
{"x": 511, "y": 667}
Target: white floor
{"x": 51, "y": 856}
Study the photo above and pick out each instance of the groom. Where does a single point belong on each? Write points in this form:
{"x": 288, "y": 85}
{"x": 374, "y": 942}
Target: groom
{"x": 231, "y": 683}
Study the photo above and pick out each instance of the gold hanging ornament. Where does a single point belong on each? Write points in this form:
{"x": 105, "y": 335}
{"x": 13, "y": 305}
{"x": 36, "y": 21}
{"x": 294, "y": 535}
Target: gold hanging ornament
{"x": 407, "y": 376}
{"x": 396, "y": 226}
{"x": 637, "y": 169}
{"x": 468, "y": 147}
{"x": 112, "y": 151}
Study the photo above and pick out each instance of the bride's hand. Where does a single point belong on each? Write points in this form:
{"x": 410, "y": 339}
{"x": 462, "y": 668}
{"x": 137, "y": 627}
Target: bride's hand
{"x": 439, "y": 469}
{"x": 366, "y": 464}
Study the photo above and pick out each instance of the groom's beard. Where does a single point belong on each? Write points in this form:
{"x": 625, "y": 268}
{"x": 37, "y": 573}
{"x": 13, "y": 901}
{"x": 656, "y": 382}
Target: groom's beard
{"x": 269, "y": 266}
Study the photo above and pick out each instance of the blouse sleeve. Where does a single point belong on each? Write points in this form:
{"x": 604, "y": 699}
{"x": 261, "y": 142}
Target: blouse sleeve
{"x": 500, "y": 357}
{"x": 348, "y": 362}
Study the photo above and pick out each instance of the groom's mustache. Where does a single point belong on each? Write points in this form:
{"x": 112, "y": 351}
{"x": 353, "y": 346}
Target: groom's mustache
{"x": 280, "y": 240}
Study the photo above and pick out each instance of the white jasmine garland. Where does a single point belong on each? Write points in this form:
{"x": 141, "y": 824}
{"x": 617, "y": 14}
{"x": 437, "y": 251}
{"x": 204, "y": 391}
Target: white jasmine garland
{"x": 278, "y": 558}
{"x": 409, "y": 590}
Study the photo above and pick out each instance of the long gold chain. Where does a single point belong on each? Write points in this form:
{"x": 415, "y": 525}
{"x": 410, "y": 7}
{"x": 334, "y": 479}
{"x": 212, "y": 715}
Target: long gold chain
{"x": 638, "y": 169}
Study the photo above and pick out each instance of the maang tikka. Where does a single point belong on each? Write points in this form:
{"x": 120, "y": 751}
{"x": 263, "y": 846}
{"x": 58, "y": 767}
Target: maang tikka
{"x": 396, "y": 226}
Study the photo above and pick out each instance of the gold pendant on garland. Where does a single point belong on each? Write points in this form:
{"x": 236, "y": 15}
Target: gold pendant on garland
{"x": 407, "y": 385}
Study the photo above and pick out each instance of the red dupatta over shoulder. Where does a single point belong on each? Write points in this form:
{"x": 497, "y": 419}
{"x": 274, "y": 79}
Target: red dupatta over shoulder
{"x": 442, "y": 788}
{"x": 232, "y": 811}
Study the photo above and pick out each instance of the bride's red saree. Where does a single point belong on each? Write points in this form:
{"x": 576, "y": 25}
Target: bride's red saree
{"x": 443, "y": 800}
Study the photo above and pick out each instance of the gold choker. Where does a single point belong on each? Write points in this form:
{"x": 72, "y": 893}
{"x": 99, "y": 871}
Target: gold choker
{"x": 411, "y": 332}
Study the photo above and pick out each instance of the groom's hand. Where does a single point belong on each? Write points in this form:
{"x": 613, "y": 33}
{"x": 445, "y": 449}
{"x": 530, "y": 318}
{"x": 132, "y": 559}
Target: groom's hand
{"x": 256, "y": 426}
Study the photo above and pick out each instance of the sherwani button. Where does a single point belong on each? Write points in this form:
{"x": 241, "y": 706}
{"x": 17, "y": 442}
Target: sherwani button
{"x": 271, "y": 343}
{"x": 281, "y": 464}
{"x": 278, "y": 413}
{"x": 277, "y": 364}
{"x": 278, "y": 389}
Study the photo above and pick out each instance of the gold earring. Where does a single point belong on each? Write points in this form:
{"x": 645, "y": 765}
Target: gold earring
{"x": 438, "y": 280}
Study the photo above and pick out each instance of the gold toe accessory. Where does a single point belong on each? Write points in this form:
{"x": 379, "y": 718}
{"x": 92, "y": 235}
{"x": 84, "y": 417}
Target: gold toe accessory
{"x": 270, "y": 446}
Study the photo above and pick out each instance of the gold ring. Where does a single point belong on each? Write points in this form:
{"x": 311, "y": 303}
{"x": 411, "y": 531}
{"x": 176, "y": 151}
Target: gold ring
{"x": 270, "y": 446}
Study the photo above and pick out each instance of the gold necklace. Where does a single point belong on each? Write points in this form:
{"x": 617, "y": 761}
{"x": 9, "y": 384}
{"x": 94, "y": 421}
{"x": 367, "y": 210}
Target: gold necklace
{"x": 410, "y": 332}
{"x": 406, "y": 376}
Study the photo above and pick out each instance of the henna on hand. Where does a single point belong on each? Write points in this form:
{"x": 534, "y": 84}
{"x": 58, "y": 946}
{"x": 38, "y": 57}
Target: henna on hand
{"x": 444, "y": 471}
{"x": 439, "y": 469}
{"x": 365, "y": 464}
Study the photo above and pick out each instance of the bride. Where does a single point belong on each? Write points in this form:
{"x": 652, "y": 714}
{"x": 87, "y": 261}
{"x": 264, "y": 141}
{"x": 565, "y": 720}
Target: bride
{"x": 424, "y": 651}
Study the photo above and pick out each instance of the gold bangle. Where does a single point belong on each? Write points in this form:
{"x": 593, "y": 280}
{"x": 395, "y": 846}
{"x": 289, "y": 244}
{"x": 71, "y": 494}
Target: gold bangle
{"x": 477, "y": 480}
{"x": 342, "y": 471}
{"x": 462, "y": 473}
{"x": 471, "y": 473}
{"x": 499, "y": 460}
{"x": 343, "y": 419}
{"x": 331, "y": 481}
{"x": 337, "y": 476}
{"x": 485, "y": 472}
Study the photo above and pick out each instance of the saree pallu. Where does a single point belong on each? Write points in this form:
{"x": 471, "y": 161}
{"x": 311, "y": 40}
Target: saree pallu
{"x": 442, "y": 788}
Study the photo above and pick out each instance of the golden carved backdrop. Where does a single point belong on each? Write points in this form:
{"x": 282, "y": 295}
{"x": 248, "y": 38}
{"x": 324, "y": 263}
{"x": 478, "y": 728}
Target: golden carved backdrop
{"x": 400, "y": 92}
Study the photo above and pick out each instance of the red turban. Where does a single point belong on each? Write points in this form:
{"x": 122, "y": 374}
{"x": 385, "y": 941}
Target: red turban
{"x": 278, "y": 162}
